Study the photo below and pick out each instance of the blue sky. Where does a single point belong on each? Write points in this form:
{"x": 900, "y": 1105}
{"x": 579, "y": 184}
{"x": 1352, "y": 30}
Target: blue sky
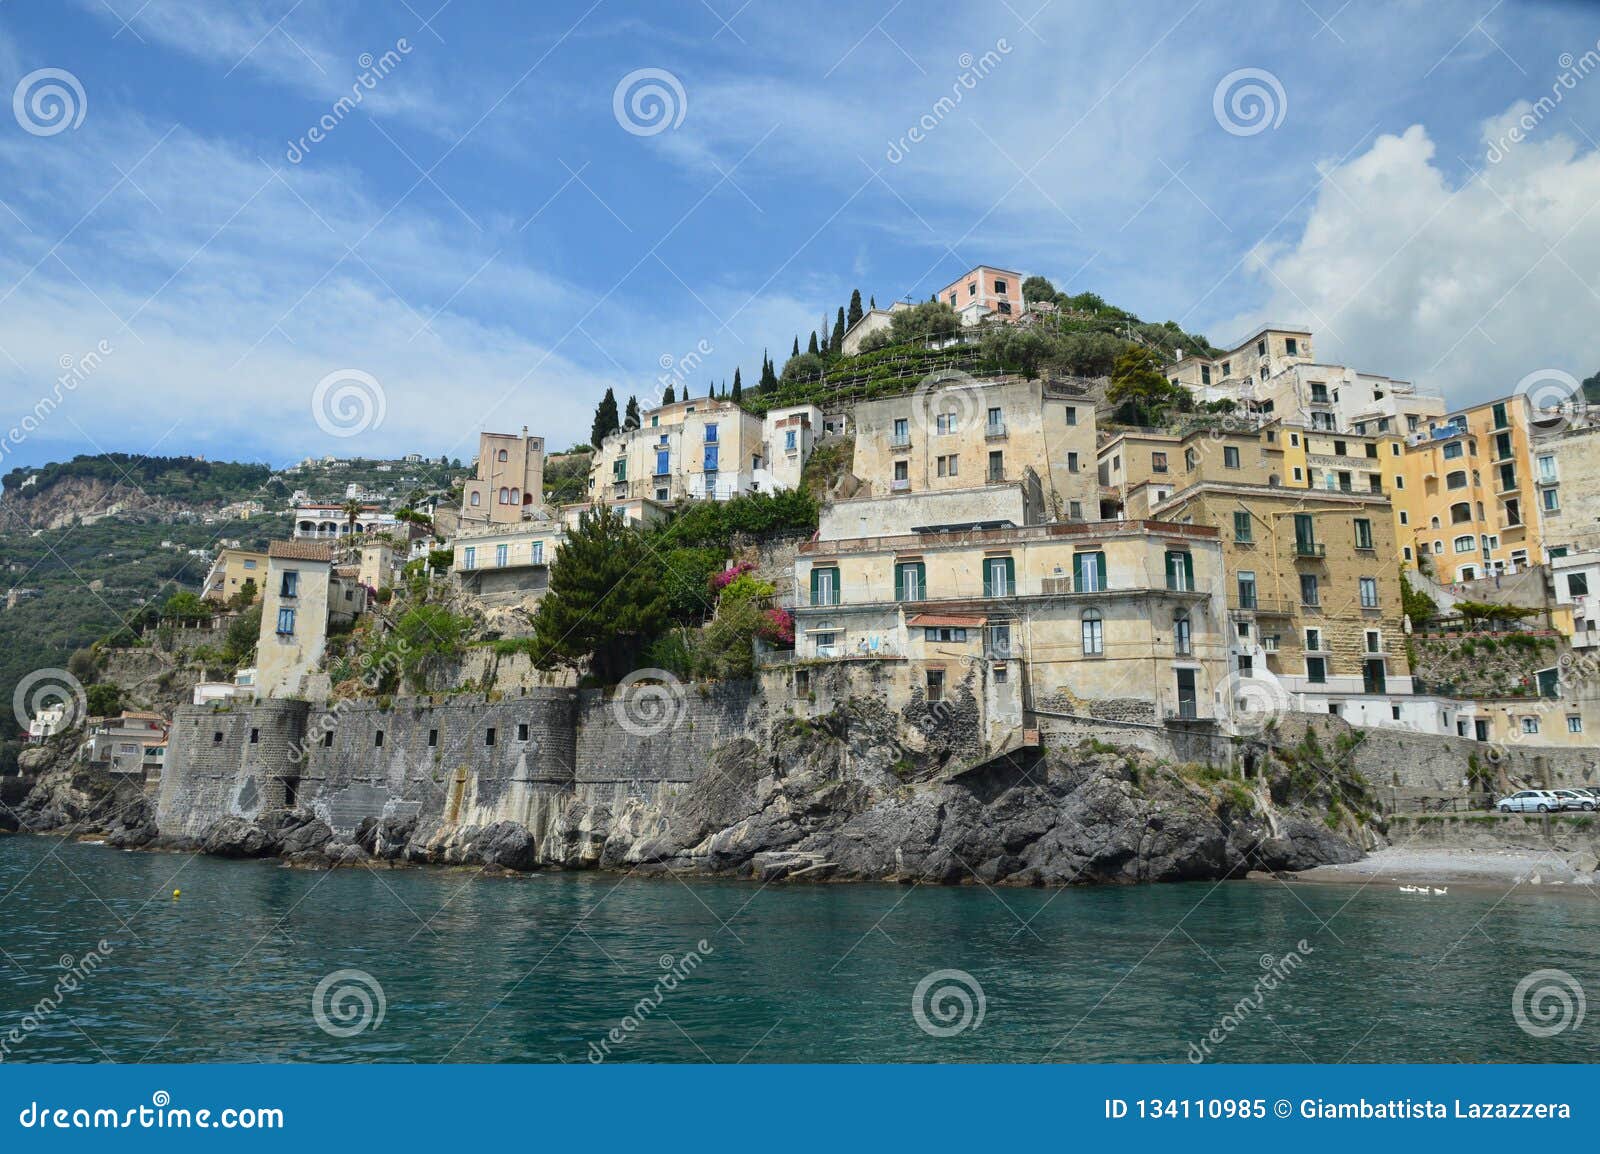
{"x": 484, "y": 239}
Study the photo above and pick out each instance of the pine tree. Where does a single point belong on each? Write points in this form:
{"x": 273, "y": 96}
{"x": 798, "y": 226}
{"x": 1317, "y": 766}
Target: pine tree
{"x": 812, "y": 347}
{"x": 854, "y": 316}
{"x": 738, "y": 389}
{"x": 606, "y": 600}
{"x": 795, "y": 352}
{"x": 838, "y": 332}
{"x": 605, "y": 419}
{"x": 630, "y": 419}
{"x": 668, "y": 396}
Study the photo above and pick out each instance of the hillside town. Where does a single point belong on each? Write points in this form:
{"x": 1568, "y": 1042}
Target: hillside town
{"x": 1188, "y": 551}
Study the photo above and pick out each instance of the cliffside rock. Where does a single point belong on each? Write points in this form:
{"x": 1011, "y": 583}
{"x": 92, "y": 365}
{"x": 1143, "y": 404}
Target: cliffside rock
{"x": 236, "y": 837}
{"x": 71, "y": 796}
{"x": 507, "y": 844}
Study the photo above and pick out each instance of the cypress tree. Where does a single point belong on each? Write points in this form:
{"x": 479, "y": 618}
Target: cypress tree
{"x": 838, "y": 333}
{"x": 874, "y": 302}
{"x": 630, "y": 419}
{"x": 854, "y": 316}
{"x": 668, "y": 396}
{"x": 605, "y": 419}
{"x": 738, "y": 389}
{"x": 812, "y": 347}
{"x": 795, "y": 352}
{"x": 769, "y": 375}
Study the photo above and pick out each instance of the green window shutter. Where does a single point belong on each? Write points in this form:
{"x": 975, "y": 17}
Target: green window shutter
{"x": 1077, "y": 571}
{"x": 899, "y": 582}
{"x": 1011, "y": 577}
{"x": 814, "y": 572}
{"x": 922, "y": 580}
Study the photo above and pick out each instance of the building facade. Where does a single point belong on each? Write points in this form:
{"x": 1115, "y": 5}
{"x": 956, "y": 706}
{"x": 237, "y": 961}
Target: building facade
{"x": 230, "y": 572}
{"x": 985, "y": 293}
{"x": 508, "y": 485}
{"x": 506, "y": 559}
{"x": 701, "y": 449}
{"x": 301, "y": 599}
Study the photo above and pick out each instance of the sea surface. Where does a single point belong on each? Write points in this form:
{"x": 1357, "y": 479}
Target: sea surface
{"x": 421, "y": 965}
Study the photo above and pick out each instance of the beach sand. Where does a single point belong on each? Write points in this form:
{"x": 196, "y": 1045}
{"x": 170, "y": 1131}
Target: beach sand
{"x": 1536, "y": 870}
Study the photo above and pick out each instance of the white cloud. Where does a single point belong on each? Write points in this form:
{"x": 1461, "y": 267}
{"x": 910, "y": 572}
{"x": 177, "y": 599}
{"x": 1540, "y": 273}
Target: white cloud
{"x": 1461, "y": 284}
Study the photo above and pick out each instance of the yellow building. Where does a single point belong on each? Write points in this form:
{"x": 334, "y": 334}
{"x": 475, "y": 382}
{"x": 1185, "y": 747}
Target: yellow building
{"x": 1078, "y": 618}
{"x": 1470, "y": 493}
{"x": 962, "y": 433}
{"x": 232, "y": 569}
{"x": 506, "y": 559}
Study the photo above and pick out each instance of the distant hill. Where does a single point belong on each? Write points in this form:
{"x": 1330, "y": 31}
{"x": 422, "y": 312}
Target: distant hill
{"x": 1591, "y": 390}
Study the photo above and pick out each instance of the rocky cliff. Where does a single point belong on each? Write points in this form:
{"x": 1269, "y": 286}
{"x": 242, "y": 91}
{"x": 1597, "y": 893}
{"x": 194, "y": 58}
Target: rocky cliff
{"x": 834, "y": 799}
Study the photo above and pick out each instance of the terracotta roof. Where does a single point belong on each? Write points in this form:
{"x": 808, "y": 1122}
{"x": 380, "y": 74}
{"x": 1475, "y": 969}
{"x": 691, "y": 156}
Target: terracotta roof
{"x": 301, "y": 550}
{"x": 922, "y": 619}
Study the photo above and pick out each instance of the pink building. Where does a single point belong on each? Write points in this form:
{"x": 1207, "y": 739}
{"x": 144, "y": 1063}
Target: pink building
{"x": 983, "y": 292}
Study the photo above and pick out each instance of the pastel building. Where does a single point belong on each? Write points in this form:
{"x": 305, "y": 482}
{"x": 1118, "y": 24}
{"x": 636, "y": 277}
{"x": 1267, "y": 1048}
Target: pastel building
{"x": 985, "y": 292}
{"x": 701, "y": 449}
{"x": 231, "y": 571}
{"x": 508, "y": 485}
{"x": 301, "y": 599}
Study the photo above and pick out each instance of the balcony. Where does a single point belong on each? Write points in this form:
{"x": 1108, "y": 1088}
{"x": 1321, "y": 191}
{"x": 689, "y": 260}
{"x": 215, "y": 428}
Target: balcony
{"x": 1261, "y": 606}
{"x": 900, "y": 441}
{"x": 900, "y": 485}
{"x": 1313, "y": 549}
{"x": 995, "y": 431}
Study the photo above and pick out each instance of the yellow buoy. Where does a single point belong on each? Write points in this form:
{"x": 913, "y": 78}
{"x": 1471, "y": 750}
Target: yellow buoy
{"x": 176, "y": 894}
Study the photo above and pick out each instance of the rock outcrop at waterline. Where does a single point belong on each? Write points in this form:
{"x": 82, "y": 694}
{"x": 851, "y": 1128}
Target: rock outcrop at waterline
{"x": 836, "y": 800}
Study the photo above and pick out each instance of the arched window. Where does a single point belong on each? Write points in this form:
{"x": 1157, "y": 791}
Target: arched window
{"x": 1456, "y": 479}
{"x": 1094, "y": 639}
{"x": 476, "y": 498}
{"x": 501, "y": 456}
{"x": 505, "y": 495}
{"x": 1459, "y": 512}
{"x": 1435, "y": 524}
{"x": 516, "y": 496}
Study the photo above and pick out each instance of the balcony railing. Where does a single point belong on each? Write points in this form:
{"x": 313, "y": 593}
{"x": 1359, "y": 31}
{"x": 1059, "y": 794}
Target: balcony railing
{"x": 900, "y": 441}
{"x": 1263, "y": 606}
{"x": 995, "y": 430}
{"x": 1310, "y": 549}
{"x": 900, "y": 485}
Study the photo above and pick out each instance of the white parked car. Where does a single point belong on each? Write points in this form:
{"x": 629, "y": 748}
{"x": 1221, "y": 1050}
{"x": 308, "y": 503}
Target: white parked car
{"x": 1576, "y": 799}
{"x": 1530, "y": 801}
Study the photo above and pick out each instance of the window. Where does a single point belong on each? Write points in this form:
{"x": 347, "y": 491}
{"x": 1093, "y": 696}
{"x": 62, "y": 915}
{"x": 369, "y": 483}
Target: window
{"x": 1456, "y": 480}
{"x": 285, "y": 622}
{"x": 1513, "y": 511}
{"x": 949, "y": 466}
{"x": 433, "y": 739}
{"x": 505, "y": 495}
{"x": 1227, "y": 368}
{"x": 538, "y": 552}
{"x": 825, "y": 586}
{"x": 488, "y": 736}
{"x": 1577, "y": 584}
{"x": 1317, "y": 670}
{"x": 1298, "y": 474}
{"x": 998, "y": 643}
{"x": 502, "y": 554}
{"x": 999, "y": 285}
{"x": 663, "y": 462}
{"x": 619, "y": 469}
{"x": 1247, "y": 590}
{"x": 1453, "y": 450}
{"x": 1072, "y": 415}
{"x": 1072, "y": 462}
{"x": 1405, "y": 518}
{"x": 1230, "y": 456}
{"x": 469, "y": 557}
{"x": 945, "y": 423}
{"x": 790, "y": 440}
{"x": 1319, "y": 393}
{"x": 327, "y": 740}
{"x": 1180, "y": 635}
{"x": 1205, "y": 374}
{"x": 1529, "y": 724}
{"x": 1075, "y": 510}
{"x": 290, "y": 585}
{"x": 710, "y": 463}
{"x": 1094, "y": 639}
{"x": 944, "y": 633}
{"x": 935, "y": 685}
{"x": 999, "y": 577}
{"x": 1190, "y": 460}
{"x": 997, "y": 421}
{"x": 1305, "y": 536}
{"x": 1547, "y": 471}
{"x": 1399, "y": 481}
{"x": 1243, "y": 532}
{"x": 1313, "y": 641}
{"x": 1374, "y": 641}
{"x": 1363, "y": 533}
{"x": 1574, "y": 723}
{"x": 255, "y": 736}
{"x": 1500, "y": 422}
{"x": 1460, "y": 513}
{"x": 902, "y": 471}
{"x": 522, "y": 731}
{"x": 711, "y": 434}
{"x": 1089, "y": 572}
{"x": 1158, "y": 462}
{"x": 910, "y": 581}
{"x": 1261, "y": 348}
{"x": 1291, "y": 346}
{"x": 1464, "y": 544}
{"x": 997, "y": 466}
{"x": 377, "y": 739}
{"x": 1180, "y": 571}
{"x": 1369, "y": 592}
{"x": 1508, "y": 477}
{"x": 1549, "y": 499}
{"x": 477, "y": 498}
{"x": 1308, "y": 590}
{"x": 902, "y": 429}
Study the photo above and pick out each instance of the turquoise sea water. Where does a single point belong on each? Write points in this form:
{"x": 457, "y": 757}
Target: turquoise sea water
{"x": 545, "y": 967}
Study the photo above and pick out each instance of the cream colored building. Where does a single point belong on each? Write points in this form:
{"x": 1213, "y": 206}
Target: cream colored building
{"x": 301, "y": 599}
{"x": 700, "y": 449}
{"x": 962, "y": 433}
{"x": 1566, "y": 478}
{"x": 1003, "y": 506}
{"x": 506, "y": 559}
{"x": 380, "y": 565}
{"x": 790, "y": 434}
{"x": 1258, "y": 357}
{"x": 231, "y": 570}
{"x": 874, "y": 320}
{"x": 1081, "y": 617}
{"x": 509, "y": 482}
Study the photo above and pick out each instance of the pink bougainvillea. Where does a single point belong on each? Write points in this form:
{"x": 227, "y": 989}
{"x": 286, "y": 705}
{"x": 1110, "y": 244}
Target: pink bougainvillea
{"x": 777, "y": 628}
{"x": 721, "y": 580}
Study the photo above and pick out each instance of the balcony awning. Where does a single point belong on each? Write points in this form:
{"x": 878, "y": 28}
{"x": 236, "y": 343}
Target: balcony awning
{"x": 945, "y": 619}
